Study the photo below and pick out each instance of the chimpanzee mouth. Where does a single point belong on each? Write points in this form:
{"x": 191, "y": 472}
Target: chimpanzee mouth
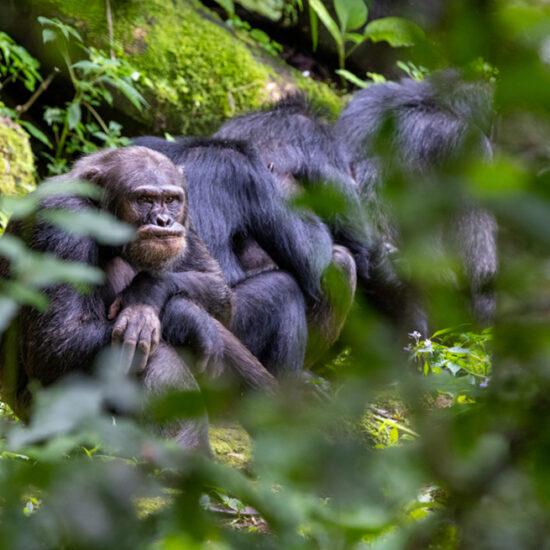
{"x": 147, "y": 232}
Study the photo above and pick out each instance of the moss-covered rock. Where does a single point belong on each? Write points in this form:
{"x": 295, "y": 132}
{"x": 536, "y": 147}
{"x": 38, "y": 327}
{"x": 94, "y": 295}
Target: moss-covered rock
{"x": 230, "y": 445}
{"x": 16, "y": 161}
{"x": 200, "y": 71}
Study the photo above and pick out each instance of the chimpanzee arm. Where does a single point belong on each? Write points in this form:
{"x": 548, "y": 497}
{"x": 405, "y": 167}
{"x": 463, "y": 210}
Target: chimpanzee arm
{"x": 184, "y": 323}
{"x": 196, "y": 276}
{"x": 75, "y": 327}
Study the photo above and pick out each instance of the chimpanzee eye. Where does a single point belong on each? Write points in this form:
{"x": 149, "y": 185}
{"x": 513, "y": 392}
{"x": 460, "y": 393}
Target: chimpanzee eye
{"x": 142, "y": 199}
{"x": 171, "y": 199}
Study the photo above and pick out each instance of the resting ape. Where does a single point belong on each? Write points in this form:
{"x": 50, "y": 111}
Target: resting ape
{"x": 272, "y": 257}
{"x": 433, "y": 122}
{"x": 301, "y": 150}
{"x": 162, "y": 290}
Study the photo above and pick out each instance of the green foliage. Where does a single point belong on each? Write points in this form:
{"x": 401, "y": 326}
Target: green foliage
{"x": 351, "y": 17}
{"x": 17, "y": 64}
{"x": 259, "y": 36}
{"x": 452, "y": 451}
{"x": 78, "y": 127}
{"x": 412, "y": 71}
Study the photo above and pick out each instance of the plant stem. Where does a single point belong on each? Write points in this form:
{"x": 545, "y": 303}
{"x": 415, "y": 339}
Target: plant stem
{"x": 342, "y": 59}
{"x": 97, "y": 116}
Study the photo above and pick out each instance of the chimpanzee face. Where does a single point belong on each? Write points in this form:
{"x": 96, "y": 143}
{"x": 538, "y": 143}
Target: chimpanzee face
{"x": 149, "y": 194}
{"x": 159, "y": 213}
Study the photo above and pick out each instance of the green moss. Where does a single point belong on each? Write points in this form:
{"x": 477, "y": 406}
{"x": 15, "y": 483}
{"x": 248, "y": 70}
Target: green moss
{"x": 199, "y": 72}
{"x": 230, "y": 445}
{"x": 16, "y": 162}
{"x": 322, "y": 95}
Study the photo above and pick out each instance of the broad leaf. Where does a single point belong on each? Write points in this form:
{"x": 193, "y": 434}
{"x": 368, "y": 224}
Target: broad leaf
{"x": 351, "y": 13}
{"x": 398, "y": 32}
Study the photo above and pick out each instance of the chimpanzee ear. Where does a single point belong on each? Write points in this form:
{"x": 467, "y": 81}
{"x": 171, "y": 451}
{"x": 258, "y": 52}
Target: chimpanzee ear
{"x": 93, "y": 174}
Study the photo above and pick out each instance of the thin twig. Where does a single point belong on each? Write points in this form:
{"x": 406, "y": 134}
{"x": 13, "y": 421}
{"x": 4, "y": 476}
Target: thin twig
{"x": 40, "y": 90}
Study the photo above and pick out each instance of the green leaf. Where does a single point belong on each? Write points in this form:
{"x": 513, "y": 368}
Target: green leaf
{"x": 35, "y": 132}
{"x": 23, "y": 294}
{"x": 131, "y": 93}
{"x": 227, "y": 5}
{"x": 103, "y": 227}
{"x": 351, "y": 13}
{"x": 398, "y": 32}
{"x": 314, "y": 24}
{"x": 8, "y": 311}
{"x": 21, "y": 207}
{"x": 42, "y": 269}
{"x": 86, "y": 66}
{"x": 355, "y": 37}
{"x": 74, "y": 114}
{"x": 327, "y": 20}
{"x": 454, "y": 368}
{"x": 48, "y": 35}
{"x": 353, "y": 79}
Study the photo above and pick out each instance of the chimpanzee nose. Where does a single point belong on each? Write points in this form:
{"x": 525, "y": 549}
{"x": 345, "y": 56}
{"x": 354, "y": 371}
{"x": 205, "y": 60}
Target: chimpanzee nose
{"x": 163, "y": 220}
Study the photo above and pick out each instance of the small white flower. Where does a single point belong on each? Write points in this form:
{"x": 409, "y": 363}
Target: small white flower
{"x": 306, "y": 73}
{"x": 415, "y": 334}
{"x": 135, "y": 76}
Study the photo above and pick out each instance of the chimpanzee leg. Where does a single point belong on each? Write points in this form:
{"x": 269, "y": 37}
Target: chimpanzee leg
{"x": 165, "y": 370}
{"x": 269, "y": 318}
{"x": 327, "y": 318}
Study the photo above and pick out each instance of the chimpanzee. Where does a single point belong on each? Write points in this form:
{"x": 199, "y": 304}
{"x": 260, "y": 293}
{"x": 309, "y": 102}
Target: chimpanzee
{"x": 162, "y": 290}
{"x": 430, "y": 123}
{"x": 272, "y": 257}
{"x": 299, "y": 146}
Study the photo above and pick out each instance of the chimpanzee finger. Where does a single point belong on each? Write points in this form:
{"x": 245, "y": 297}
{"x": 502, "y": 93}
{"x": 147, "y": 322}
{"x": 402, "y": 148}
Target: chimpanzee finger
{"x": 114, "y": 310}
{"x": 129, "y": 342}
{"x": 119, "y": 329}
{"x": 155, "y": 339}
{"x": 143, "y": 351}
{"x": 201, "y": 364}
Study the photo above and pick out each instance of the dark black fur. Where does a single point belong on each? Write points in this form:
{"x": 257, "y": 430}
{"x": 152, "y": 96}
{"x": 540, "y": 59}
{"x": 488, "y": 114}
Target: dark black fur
{"x": 300, "y": 147}
{"x": 433, "y": 122}
{"x": 272, "y": 257}
{"x": 191, "y": 298}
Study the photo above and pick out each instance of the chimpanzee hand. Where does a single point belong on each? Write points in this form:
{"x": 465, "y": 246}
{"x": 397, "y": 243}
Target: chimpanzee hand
{"x": 209, "y": 345}
{"x": 186, "y": 324}
{"x": 137, "y": 329}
